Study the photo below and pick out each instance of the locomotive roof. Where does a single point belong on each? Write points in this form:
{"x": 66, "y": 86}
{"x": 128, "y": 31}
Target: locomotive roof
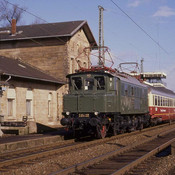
{"x": 130, "y": 79}
{"x": 120, "y": 75}
{"x": 162, "y": 91}
{"x": 90, "y": 72}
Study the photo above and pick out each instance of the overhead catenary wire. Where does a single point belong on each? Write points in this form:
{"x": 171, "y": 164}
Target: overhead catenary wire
{"x": 26, "y": 11}
{"x": 157, "y": 43}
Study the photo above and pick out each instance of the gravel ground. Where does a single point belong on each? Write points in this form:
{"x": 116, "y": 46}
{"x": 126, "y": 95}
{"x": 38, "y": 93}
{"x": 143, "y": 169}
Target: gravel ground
{"x": 58, "y": 162}
{"x": 163, "y": 166}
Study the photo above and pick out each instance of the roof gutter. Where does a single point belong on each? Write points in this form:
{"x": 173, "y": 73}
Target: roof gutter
{"x": 57, "y": 82}
{"x": 39, "y": 37}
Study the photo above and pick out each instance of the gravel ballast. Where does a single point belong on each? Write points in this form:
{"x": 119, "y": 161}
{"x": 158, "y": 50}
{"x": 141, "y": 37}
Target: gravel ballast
{"x": 58, "y": 162}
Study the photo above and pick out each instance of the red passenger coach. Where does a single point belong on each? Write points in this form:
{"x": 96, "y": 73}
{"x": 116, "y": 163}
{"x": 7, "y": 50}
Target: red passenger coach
{"x": 161, "y": 104}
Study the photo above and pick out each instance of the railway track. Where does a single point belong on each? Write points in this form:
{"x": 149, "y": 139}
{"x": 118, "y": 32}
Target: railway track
{"x": 122, "y": 160}
{"x": 21, "y": 156}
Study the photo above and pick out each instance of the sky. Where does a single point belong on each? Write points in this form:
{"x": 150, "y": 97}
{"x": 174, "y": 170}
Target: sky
{"x": 133, "y": 29}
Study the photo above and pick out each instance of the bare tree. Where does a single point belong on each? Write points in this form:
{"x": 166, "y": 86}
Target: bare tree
{"x": 37, "y": 21}
{"x": 9, "y": 12}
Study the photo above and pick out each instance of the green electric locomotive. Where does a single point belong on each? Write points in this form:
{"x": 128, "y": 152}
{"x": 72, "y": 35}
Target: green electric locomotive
{"x": 104, "y": 101}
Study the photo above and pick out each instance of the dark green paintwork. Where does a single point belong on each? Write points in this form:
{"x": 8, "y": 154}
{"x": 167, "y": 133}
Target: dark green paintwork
{"x": 109, "y": 100}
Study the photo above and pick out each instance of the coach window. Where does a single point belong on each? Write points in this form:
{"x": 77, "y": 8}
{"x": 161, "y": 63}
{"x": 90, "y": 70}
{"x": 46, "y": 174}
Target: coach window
{"x": 153, "y": 100}
{"x": 156, "y": 100}
{"x": 166, "y": 102}
{"x": 159, "y": 101}
{"x": 171, "y": 102}
{"x": 163, "y": 101}
{"x": 77, "y": 83}
{"x": 100, "y": 83}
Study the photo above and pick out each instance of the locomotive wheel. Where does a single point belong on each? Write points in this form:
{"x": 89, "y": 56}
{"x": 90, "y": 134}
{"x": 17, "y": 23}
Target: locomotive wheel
{"x": 141, "y": 126}
{"x": 101, "y": 132}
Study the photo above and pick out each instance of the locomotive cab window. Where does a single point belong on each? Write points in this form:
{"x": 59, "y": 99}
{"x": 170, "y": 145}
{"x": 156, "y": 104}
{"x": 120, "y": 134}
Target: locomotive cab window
{"x": 100, "y": 83}
{"x": 77, "y": 83}
{"x": 89, "y": 84}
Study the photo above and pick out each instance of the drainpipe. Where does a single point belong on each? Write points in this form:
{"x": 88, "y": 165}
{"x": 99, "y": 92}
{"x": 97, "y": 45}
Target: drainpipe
{"x": 8, "y": 78}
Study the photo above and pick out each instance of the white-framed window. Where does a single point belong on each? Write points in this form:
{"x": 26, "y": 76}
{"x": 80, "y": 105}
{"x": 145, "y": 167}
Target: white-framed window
{"x": 11, "y": 101}
{"x": 10, "y": 108}
{"x": 153, "y": 100}
{"x": 49, "y": 104}
{"x": 29, "y": 102}
{"x": 28, "y": 107}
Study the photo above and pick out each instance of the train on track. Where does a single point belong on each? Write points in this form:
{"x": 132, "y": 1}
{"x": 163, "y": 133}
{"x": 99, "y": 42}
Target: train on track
{"x": 102, "y": 101}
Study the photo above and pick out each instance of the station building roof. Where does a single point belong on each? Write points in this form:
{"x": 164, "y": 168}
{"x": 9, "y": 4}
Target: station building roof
{"x": 47, "y": 30}
{"x": 17, "y": 68}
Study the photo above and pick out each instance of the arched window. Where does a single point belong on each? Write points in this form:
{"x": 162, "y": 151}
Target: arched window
{"x": 78, "y": 64}
{"x": 85, "y": 65}
{"x": 71, "y": 66}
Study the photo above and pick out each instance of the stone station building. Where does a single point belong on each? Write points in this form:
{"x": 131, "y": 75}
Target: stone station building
{"x": 51, "y": 49}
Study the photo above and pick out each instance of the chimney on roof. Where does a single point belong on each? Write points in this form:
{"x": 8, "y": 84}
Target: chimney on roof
{"x": 13, "y": 27}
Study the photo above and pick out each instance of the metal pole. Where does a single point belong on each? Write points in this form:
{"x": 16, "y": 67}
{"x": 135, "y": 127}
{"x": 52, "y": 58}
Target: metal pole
{"x": 142, "y": 65}
{"x": 101, "y": 36}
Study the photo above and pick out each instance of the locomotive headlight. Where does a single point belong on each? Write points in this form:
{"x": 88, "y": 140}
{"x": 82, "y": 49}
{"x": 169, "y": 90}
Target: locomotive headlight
{"x": 67, "y": 113}
{"x": 96, "y": 113}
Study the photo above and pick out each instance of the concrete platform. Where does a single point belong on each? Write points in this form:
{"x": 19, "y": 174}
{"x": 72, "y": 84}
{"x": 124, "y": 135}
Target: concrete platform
{"x": 17, "y": 130}
{"x": 12, "y": 146}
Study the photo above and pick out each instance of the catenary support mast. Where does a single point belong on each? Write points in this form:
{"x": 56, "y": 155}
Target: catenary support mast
{"x": 101, "y": 37}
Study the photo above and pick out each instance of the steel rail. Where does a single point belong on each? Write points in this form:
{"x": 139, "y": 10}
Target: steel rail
{"x": 95, "y": 160}
{"x": 45, "y": 153}
{"x": 133, "y": 164}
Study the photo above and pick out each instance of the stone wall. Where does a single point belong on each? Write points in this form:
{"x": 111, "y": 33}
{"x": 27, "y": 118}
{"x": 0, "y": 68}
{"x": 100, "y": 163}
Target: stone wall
{"x": 52, "y": 56}
{"x": 75, "y": 47}
{"x": 40, "y": 100}
{"x": 49, "y": 55}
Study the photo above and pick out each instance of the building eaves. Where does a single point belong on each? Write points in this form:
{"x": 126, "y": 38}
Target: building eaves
{"x": 17, "y": 68}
